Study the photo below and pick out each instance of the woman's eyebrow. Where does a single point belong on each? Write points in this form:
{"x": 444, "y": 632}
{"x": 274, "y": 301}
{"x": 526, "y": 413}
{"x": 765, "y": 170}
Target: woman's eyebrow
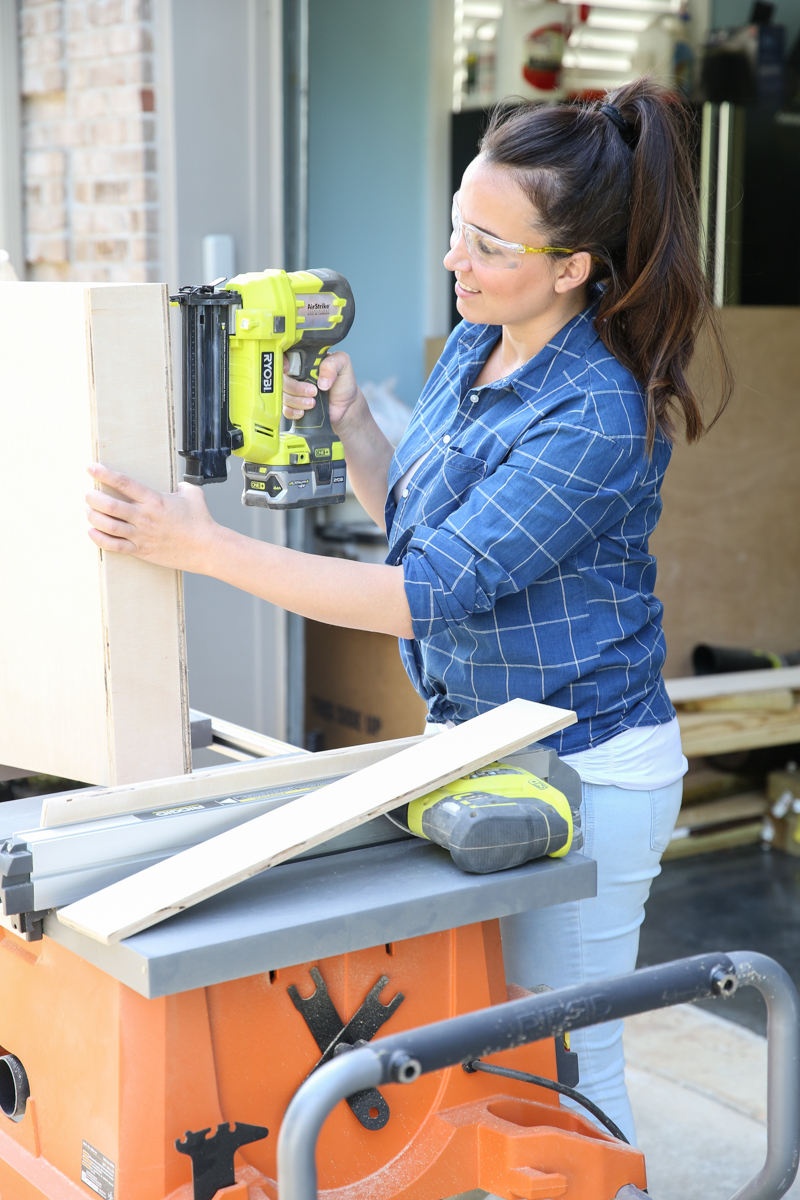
{"x": 488, "y": 232}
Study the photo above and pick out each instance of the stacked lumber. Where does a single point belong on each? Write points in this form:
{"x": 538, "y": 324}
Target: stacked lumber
{"x": 726, "y": 714}
{"x": 720, "y": 810}
{"x": 723, "y": 714}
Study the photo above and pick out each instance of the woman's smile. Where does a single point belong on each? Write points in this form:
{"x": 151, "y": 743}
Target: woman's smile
{"x": 463, "y": 290}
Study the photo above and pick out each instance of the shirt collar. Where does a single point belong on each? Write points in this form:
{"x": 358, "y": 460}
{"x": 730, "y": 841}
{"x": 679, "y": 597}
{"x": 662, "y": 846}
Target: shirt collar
{"x": 571, "y": 342}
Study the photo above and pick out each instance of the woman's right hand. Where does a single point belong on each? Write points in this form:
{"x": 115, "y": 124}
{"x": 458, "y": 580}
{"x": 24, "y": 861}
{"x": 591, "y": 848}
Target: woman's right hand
{"x": 336, "y": 377}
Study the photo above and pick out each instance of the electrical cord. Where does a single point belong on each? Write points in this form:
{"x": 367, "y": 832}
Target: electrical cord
{"x": 476, "y": 1064}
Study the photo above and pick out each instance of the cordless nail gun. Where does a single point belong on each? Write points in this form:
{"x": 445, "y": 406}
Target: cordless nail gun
{"x": 498, "y": 817}
{"x": 233, "y": 341}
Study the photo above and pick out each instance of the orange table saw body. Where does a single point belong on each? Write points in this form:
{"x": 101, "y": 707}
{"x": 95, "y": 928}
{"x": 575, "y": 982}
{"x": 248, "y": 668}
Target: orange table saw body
{"x": 118, "y": 1078}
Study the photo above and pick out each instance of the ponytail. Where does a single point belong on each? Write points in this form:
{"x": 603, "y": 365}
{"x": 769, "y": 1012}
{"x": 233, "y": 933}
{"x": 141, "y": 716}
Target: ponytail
{"x": 615, "y": 179}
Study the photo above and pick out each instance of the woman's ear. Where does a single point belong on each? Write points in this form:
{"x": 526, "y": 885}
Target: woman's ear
{"x": 573, "y": 272}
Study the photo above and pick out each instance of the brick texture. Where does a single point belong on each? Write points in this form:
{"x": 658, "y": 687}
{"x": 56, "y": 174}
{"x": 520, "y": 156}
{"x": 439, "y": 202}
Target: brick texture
{"x": 89, "y": 127}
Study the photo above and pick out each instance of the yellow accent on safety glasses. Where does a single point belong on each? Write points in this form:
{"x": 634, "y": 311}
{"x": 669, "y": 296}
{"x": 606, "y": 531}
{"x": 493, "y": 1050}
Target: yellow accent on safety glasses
{"x": 493, "y": 251}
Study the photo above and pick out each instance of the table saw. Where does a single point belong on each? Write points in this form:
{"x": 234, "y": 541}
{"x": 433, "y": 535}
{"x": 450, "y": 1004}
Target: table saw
{"x": 161, "y": 1067}
{"x": 120, "y": 1060}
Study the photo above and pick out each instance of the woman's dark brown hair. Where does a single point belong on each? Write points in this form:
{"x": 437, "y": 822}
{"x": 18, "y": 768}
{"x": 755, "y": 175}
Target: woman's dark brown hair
{"x": 623, "y": 189}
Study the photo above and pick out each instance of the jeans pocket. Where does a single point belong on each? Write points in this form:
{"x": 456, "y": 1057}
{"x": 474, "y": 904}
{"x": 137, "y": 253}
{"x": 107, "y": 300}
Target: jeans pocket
{"x": 665, "y": 804}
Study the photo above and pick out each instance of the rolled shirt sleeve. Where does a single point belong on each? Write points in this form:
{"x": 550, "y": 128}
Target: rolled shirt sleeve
{"x": 560, "y": 488}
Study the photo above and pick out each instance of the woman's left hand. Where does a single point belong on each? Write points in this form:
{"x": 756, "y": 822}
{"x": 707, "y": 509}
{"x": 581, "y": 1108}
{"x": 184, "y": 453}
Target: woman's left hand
{"x": 173, "y": 529}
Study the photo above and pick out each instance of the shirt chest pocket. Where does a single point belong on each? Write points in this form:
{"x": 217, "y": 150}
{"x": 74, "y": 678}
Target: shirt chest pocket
{"x": 461, "y": 472}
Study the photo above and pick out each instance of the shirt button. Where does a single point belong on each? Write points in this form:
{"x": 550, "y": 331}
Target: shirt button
{"x": 474, "y": 398}
{"x": 405, "y": 493}
{"x": 446, "y": 438}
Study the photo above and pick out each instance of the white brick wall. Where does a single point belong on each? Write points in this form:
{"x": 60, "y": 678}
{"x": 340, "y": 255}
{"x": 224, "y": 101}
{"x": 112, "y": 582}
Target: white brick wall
{"x": 89, "y": 166}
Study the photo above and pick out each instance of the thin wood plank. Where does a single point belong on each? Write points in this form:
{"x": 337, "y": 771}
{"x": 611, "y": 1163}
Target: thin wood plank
{"x": 777, "y": 700}
{"x": 701, "y": 687}
{"x": 92, "y": 656}
{"x": 160, "y": 891}
{"x": 718, "y": 812}
{"x": 727, "y": 733}
{"x": 746, "y": 834}
{"x": 70, "y": 808}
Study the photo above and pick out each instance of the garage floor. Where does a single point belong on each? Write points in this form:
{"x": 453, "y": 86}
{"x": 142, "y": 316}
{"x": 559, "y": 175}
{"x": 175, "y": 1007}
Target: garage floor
{"x": 743, "y": 899}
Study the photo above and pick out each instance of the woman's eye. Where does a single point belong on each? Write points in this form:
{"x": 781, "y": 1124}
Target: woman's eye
{"x": 487, "y": 248}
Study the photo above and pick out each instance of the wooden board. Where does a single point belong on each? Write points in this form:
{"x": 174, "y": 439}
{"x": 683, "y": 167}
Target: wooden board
{"x": 168, "y": 887}
{"x": 728, "y": 542}
{"x": 92, "y": 655}
{"x": 93, "y": 804}
{"x": 778, "y": 700}
{"x": 728, "y": 733}
{"x": 702, "y": 687}
{"x": 720, "y": 812}
{"x": 746, "y": 834}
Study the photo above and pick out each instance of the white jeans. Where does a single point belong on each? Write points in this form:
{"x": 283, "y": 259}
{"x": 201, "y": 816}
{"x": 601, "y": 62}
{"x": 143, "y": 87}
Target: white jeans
{"x": 626, "y": 833}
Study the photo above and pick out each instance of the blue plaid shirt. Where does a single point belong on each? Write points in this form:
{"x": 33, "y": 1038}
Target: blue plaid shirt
{"x": 524, "y": 537}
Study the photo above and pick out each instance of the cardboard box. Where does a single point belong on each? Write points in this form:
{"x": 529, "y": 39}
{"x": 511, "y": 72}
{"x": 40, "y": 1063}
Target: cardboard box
{"x": 356, "y": 689}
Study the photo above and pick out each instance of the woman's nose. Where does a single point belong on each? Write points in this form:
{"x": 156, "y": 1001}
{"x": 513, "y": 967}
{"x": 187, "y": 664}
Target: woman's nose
{"x": 457, "y": 258}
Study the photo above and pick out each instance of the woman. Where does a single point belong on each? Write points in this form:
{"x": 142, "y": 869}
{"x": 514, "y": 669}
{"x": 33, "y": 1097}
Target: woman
{"x": 521, "y": 500}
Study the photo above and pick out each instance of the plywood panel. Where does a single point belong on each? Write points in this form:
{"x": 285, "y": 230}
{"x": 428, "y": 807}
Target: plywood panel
{"x": 728, "y": 543}
{"x": 92, "y": 656}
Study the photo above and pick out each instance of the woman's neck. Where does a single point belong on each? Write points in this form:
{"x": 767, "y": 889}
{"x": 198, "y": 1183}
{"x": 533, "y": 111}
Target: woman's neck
{"x": 520, "y": 343}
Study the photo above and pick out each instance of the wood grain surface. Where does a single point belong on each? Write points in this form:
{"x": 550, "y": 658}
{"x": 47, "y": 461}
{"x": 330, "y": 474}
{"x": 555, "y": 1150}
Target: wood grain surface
{"x": 728, "y": 733}
{"x": 92, "y": 653}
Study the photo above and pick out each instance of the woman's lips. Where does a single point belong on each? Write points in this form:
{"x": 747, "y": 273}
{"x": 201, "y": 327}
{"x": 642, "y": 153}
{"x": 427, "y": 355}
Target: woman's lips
{"x": 464, "y": 291}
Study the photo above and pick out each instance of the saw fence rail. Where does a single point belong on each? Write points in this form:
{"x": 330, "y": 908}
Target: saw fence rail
{"x": 406, "y": 1056}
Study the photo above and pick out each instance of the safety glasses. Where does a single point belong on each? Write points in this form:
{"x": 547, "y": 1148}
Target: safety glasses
{"x": 492, "y": 251}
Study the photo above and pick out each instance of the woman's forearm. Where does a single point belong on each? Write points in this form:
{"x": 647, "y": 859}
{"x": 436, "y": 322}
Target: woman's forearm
{"x": 335, "y": 591}
{"x": 175, "y": 529}
{"x": 368, "y": 454}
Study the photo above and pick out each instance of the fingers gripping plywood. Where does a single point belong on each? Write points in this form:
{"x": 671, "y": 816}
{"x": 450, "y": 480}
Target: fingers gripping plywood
{"x": 92, "y": 656}
{"x": 168, "y": 887}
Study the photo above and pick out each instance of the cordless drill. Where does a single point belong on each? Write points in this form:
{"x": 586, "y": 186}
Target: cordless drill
{"x": 233, "y": 341}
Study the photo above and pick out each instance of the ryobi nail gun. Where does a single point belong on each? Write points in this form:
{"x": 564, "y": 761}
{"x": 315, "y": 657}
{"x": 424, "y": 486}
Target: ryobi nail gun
{"x": 498, "y": 817}
{"x": 234, "y": 339}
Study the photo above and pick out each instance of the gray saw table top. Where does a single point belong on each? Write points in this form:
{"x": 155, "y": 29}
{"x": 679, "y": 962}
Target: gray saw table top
{"x": 313, "y": 908}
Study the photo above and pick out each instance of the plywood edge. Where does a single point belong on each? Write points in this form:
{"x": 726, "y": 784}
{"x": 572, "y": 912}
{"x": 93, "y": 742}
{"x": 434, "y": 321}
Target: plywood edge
{"x": 75, "y": 807}
{"x": 144, "y": 626}
{"x": 174, "y": 480}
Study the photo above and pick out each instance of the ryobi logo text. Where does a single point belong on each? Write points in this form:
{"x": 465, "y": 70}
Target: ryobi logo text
{"x": 267, "y": 371}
